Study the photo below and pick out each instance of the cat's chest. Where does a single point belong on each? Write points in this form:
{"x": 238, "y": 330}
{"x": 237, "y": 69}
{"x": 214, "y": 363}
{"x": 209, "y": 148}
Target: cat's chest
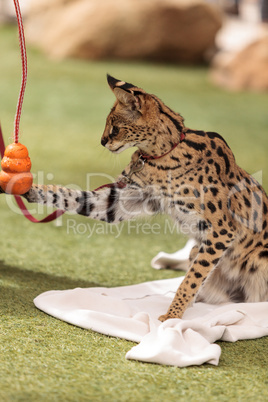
{"x": 153, "y": 173}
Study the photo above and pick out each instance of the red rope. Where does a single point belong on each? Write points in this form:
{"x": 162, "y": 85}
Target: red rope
{"x": 24, "y": 71}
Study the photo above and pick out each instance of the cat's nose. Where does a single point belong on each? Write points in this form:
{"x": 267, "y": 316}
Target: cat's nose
{"x": 104, "y": 141}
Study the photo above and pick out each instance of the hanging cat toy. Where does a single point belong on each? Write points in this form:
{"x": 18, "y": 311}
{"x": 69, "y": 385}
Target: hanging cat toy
{"x": 16, "y": 177}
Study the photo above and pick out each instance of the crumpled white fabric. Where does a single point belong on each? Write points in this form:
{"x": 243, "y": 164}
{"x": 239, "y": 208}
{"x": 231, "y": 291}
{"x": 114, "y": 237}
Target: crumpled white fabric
{"x": 131, "y": 312}
{"x": 177, "y": 260}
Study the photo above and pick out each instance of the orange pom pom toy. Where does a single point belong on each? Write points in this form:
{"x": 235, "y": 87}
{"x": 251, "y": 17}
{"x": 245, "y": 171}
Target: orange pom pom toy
{"x": 15, "y": 178}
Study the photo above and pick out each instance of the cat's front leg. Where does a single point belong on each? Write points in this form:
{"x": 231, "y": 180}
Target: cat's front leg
{"x": 111, "y": 205}
{"x": 209, "y": 254}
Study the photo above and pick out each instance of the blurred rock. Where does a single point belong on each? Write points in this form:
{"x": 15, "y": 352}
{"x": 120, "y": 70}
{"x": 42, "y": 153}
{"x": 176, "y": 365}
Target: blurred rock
{"x": 170, "y": 30}
{"x": 245, "y": 70}
{"x": 7, "y": 11}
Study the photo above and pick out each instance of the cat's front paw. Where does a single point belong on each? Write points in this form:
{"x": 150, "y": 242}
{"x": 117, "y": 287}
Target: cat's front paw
{"x": 163, "y": 317}
{"x": 170, "y": 314}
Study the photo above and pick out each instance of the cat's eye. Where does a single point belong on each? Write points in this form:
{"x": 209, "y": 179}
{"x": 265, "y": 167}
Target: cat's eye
{"x": 114, "y": 132}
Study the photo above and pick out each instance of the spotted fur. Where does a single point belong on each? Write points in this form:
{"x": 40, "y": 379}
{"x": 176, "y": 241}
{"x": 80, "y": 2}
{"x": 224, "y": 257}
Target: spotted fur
{"x": 197, "y": 183}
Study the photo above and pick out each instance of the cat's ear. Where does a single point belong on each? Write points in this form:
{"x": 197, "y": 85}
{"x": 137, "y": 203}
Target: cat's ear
{"x": 126, "y": 98}
{"x": 124, "y": 94}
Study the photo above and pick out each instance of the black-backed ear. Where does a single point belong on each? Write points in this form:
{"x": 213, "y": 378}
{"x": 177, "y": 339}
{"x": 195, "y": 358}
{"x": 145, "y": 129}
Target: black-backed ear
{"x": 124, "y": 93}
{"x": 113, "y": 83}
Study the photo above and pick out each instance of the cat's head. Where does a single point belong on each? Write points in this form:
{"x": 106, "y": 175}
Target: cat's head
{"x": 137, "y": 119}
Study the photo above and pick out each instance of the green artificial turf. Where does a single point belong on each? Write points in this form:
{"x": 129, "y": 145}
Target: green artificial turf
{"x": 66, "y": 103}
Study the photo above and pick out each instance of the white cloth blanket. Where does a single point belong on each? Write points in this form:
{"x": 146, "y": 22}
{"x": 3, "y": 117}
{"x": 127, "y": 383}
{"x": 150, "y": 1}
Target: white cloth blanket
{"x": 131, "y": 312}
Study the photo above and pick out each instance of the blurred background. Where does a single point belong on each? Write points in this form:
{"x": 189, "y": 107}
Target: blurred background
{"x": 229, "y": 35}
{"x": 207, "y": 60}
